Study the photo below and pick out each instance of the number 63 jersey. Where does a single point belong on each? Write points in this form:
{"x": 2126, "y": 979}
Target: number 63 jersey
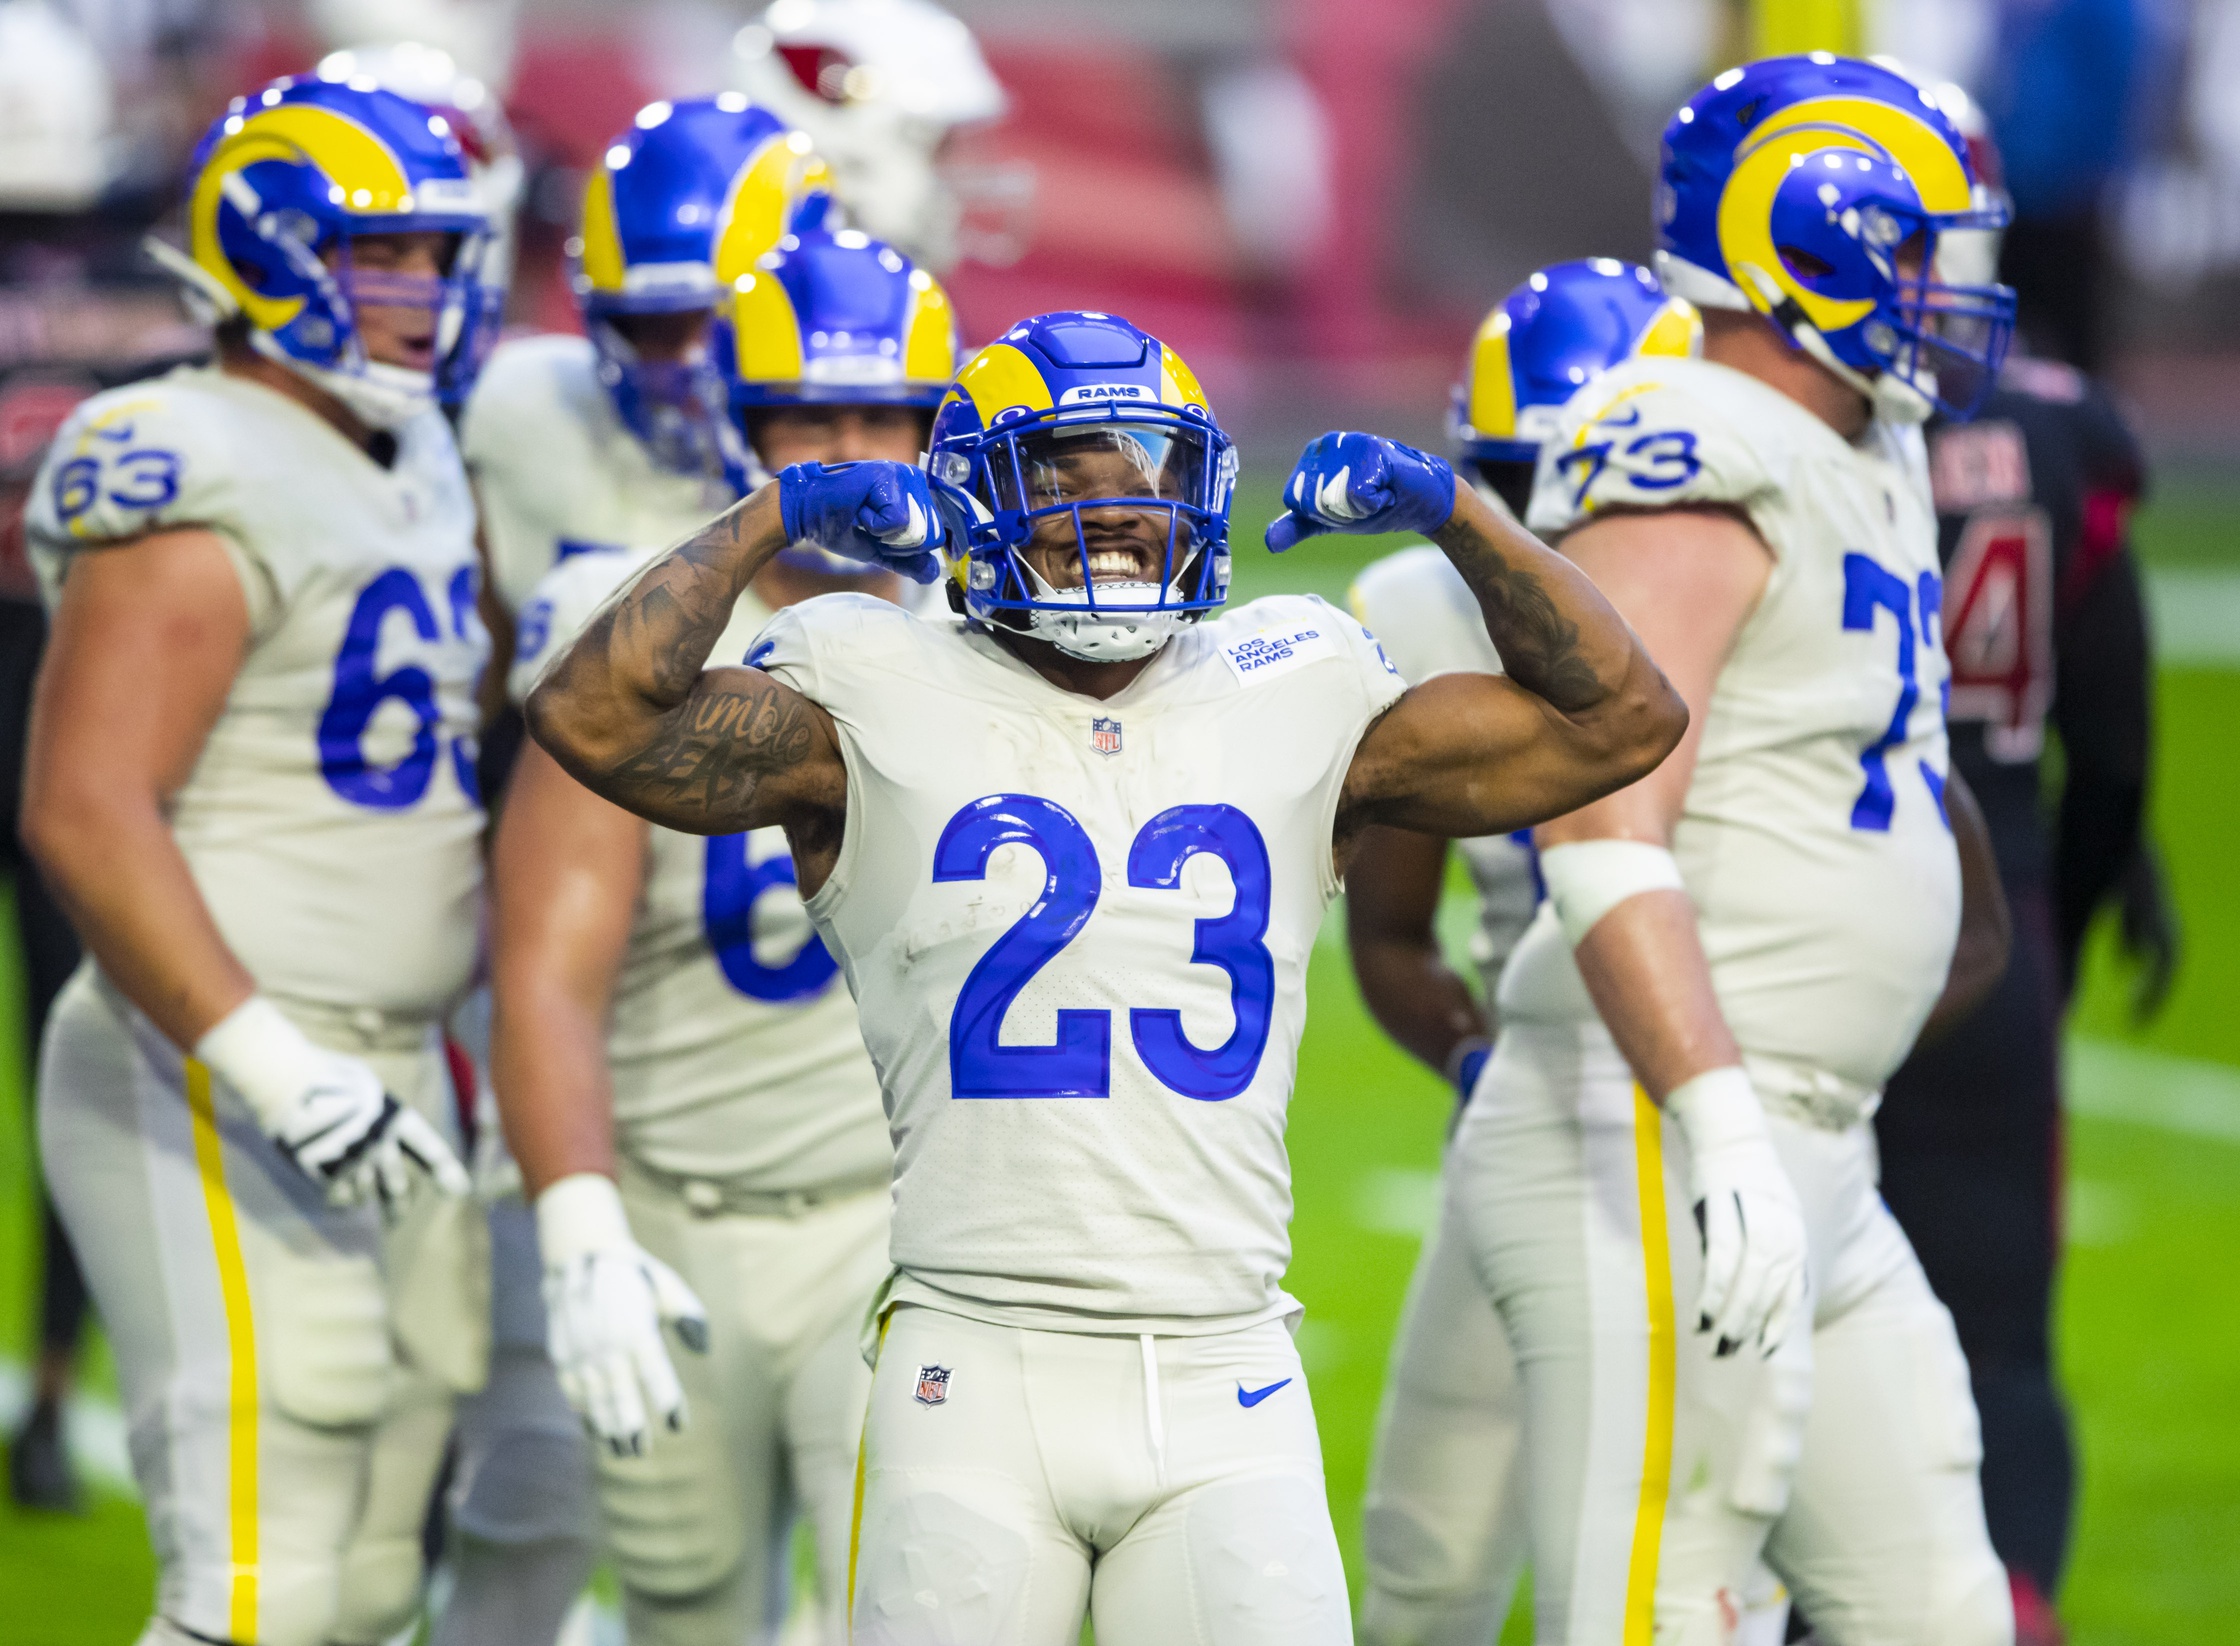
{"x": 1077, "y": 933}
{"x": 1813, "y": 840}
{"x": 331, "y": 823}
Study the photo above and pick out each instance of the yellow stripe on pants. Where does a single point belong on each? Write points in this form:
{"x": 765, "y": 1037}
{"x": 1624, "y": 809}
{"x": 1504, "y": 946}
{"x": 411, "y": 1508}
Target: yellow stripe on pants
{"x": 863, "y": 1450}
{"x": 241, "y": 1348}
{"x": 1656, "y": 1448}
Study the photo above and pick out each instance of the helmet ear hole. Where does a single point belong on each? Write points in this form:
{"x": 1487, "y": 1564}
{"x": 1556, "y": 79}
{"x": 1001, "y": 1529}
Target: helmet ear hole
{"x": 1806, "y": 265}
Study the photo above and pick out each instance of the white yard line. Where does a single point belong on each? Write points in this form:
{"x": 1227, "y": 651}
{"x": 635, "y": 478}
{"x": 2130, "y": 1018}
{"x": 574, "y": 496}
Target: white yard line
{"x": 2106, "y": 1080}
{"x": 2111, "y": 1081}
{"x": 2194, "y": 613}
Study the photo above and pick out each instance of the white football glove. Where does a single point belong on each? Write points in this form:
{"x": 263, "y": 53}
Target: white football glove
{"x": 1755, "y": 1279}
{"x": 606, "y": 1299}
{"x": 327, "y": 1111}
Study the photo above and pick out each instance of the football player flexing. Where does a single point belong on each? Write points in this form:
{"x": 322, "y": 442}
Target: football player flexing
{"x": 251, "y": 783}
{"x": 666, "y": 1017}
{"x": 1071, "y": 852}
{"x": 2043, "y": 621}
{"x": 1443, "y": 1530}
{"x": 610, "y": 445}
{"x": 1752, "y": 938}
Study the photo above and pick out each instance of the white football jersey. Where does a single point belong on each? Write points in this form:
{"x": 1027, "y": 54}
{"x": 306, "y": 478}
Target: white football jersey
{"x": 1428, "y": 621}
{"x": 733, "y": 1046}
{"x": 1813, "y": 840}
{"x": 332, "y": 823}
{"x": 1078, "y": 934}
{"x": 559, "y": 474}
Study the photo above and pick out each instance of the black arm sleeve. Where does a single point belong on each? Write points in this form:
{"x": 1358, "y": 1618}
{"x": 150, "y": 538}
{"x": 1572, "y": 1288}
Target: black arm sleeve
{"x": 2102, "y": 713}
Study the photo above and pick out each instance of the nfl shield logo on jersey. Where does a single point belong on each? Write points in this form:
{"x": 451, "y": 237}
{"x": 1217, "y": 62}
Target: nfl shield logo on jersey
{"x": 933, "y": 1385}
{"x": 1104, "y": 735}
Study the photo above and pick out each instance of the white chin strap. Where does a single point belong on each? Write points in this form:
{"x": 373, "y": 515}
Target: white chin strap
{"x": 381, "y": 396}
{"x": 1104, "y": 636}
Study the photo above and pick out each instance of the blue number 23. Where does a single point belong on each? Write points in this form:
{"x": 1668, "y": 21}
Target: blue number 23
{"x": 1078, "y": 1063}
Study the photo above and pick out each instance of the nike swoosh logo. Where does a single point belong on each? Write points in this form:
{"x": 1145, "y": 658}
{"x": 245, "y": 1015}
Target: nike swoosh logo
{"x": 1252, "y": 1397}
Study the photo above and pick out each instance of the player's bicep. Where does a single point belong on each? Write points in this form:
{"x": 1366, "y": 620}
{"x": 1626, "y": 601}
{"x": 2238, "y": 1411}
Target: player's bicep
{"x": 1470, "y": 754}
{"x": 741, "y": 751}
{"x": 566, "y": 873}
{"x": 147, "y": 639}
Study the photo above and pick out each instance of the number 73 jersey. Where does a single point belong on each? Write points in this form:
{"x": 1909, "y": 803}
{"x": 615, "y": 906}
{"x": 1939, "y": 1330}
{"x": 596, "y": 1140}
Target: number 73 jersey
{"x": 331, "y": 822}
{"x": 1077, "y": 933}
{"x": 1813, "y": 840}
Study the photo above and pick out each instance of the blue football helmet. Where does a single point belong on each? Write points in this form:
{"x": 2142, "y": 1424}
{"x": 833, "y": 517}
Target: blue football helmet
{"x": 1078, "y": 430}
{"x": 1816, "y": 190}
{"x": 282, "y": 185}
{"x": 1561, "y": 328}
{"x": 834, "y": 319}
{"x": 677, "y": 208}
{"x": 837, "y": 318}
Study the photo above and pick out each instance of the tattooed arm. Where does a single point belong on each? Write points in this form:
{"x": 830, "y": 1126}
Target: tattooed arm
{"x": 1583, "y": 709}
{"x": 633, "y": 713}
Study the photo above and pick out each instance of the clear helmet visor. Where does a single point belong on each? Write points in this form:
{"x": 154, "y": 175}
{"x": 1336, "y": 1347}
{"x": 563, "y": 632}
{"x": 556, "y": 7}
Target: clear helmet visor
{"x": 1113, "y": 463}
{"x": 1101, "y": 533}
{"x": 1111, "y": 510}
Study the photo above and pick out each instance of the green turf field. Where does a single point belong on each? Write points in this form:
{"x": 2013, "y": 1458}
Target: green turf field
{"x": 2149, "y": 1338}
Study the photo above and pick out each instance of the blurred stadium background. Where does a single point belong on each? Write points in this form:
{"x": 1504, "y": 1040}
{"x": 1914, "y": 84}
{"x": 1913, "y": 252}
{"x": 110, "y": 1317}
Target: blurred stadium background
{"x": 1315, "y": 200}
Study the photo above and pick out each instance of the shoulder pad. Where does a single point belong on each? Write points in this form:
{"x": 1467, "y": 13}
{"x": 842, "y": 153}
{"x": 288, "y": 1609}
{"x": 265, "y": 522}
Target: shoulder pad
{"x": 529, "y": 387}
{"x": 1652, "y": 434}
{"x": 134, "y": 460}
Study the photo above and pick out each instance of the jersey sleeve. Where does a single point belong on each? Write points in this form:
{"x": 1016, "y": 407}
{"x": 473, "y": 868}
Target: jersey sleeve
{"x": 506, "y": 393}
{"x": 151, "y": 457}
{"x": 785, "y": 649}
{"x": 523, "y": 442}
{"x": 1374, "y": 675}
{"x": 1424, "y": 616}
{"x": 1643, "y": 443}
{"x": 556, "y": 611}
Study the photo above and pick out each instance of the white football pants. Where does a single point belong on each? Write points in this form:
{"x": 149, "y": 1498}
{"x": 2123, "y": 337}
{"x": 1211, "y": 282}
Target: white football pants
{"x": 698, "y": 1528}
{"x": 1444, "y": 1521}
{"x": 1170, "y": 1487}
{"x": 1657, "y": 1472}
{"x": 1443, "y": 1526}
{"x": 288, "y": 1369}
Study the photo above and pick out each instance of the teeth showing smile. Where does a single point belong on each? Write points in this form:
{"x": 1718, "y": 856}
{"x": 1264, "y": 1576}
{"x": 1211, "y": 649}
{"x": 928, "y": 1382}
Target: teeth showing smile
{"x": 1112, "y": 562}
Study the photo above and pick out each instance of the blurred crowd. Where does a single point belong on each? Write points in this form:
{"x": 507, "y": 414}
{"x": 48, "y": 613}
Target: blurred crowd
{"x": 1264, "y": 179}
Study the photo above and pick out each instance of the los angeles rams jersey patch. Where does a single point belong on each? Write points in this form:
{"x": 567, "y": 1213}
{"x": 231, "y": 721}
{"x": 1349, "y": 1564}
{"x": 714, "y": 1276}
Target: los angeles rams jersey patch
{"x": 1274, "y": 652}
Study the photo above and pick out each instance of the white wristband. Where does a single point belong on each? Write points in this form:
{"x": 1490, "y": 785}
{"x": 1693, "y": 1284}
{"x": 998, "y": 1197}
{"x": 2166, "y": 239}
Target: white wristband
{"x": 1586, "y": 879}
{"x": 1717, "y": 1107}
{"x": 580, "y": 1214}
{"x": 260, "y": 1054}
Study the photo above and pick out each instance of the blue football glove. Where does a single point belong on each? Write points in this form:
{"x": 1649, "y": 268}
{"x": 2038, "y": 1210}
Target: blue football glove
{"x": 879, "y": 513}
{"x": 1362, "y": 483}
